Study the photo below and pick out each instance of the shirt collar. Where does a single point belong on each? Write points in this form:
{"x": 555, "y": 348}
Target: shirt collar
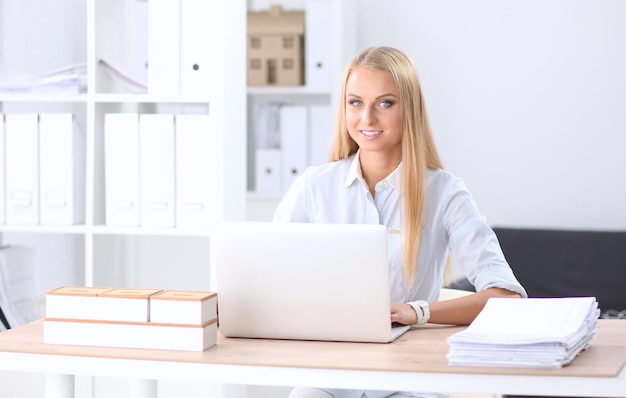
{"x": 354, "y": 174}
{"x": 354, "y": 171}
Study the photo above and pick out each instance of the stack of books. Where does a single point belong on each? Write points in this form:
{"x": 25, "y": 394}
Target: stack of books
{"x": 533, "y": 332}
{"x": 131, "y": 318}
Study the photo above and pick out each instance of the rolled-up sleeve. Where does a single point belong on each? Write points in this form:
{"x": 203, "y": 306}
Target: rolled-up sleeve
{"x": 475, "y": 245}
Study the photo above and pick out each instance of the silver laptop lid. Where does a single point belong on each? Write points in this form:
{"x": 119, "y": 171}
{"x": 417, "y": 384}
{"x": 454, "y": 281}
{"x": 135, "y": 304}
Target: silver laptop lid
{"x": 302, "y": 281}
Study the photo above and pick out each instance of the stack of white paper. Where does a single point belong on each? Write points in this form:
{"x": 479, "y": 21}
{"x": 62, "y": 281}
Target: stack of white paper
{"x": 71, "y": 79}
{"x": 534, "y": 332}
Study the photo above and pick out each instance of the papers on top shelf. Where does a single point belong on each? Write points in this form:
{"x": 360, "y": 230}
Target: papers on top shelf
{"x": 71, "y": 79}
{"x": 534, "y": 332}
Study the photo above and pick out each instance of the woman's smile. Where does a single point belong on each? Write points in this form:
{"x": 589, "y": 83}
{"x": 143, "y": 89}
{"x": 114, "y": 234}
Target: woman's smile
{"x": 371, "y": 133}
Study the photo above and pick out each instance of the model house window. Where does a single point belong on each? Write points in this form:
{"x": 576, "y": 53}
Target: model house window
{"x": 255, "y": 42}
{"x": 288, "y": 63}
{"x": 287, "y": 42}
{"x": 255, "y": 63}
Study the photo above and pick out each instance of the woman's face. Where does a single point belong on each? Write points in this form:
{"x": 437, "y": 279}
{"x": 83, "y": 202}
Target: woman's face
{"x": 373, "y": 112}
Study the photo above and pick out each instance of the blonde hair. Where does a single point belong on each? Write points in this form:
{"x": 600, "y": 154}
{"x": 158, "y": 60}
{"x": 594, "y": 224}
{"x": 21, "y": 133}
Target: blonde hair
{"x": 419, "y": 151}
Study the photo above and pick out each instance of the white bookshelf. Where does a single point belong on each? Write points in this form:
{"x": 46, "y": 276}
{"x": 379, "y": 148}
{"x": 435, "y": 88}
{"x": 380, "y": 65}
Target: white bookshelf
{"x": 84, "y": 31}
{"x": 342, "y": 46}
{"x": 92, "y": 253}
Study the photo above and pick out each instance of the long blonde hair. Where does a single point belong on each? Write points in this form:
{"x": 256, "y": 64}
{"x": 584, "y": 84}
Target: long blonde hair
{"x": 419, "y": 151}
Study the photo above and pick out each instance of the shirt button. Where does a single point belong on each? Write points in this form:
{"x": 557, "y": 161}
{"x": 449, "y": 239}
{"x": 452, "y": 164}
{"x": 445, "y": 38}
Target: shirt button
{"x": 379, "y": 209}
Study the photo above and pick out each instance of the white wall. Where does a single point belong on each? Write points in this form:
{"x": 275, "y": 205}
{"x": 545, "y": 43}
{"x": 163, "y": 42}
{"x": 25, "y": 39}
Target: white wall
{"x": 527, "y": 100}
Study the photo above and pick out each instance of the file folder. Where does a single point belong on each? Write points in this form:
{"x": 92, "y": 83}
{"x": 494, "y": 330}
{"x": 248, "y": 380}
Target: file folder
{"x": 61, "y": 169}
{"x": 22, "y": 168}
{"x": 121, "y": 156}
{"x": 164, "y": 47}
{"x": 156, "y": 170}
{"x": 2, "y": 174}
{"x": 195, "y": 163}
{"x": 293, "y": 121}
{"x": 195, "y": 50}
{"x": 268, "y": 171}
{"x": 321, "y": 132}
{"x": 317, "y": 47}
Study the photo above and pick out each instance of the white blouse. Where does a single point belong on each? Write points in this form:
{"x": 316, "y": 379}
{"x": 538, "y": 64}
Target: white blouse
{"x": 336, "y": 193}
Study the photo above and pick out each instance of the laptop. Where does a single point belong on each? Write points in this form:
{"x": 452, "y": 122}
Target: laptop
{"x": 303, "y": 281}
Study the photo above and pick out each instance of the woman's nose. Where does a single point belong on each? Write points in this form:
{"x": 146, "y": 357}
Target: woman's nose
{"x": 369, "y": 115}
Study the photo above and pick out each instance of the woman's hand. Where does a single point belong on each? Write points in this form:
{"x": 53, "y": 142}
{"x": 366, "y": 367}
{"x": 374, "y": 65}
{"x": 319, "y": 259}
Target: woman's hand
{"x": 403, "y": 313}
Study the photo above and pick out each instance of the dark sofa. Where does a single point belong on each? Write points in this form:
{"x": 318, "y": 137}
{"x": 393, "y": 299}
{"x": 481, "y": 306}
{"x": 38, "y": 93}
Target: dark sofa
{"x": 567, "y": 263}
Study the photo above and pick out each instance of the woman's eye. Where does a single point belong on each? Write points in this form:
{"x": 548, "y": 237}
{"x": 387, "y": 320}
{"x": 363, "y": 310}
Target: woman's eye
{"x": 355, "y": 103}
{"x": 386, "y": 104}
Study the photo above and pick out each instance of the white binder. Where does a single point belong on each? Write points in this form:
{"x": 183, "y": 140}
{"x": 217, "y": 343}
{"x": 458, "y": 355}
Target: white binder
{"x": 268, "y": 171}
{"x": 61, "y": 170}
{"x": 22, "y": 168}
{"x": 164, "y": 47}
{"x": 195, "y": 165}
{"x": 2, "y": 174}
{"x": 156, "y": 170}
{"x": 321, "y": 132}
{"x": 293, "y": 138}
{"x": 318, "y": 44}
{"x": 195, "y": 47}
{"x": 121, "y": 157}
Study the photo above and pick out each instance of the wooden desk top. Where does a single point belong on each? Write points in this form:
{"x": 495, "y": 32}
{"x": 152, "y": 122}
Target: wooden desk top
{"x": 419, "y": 350}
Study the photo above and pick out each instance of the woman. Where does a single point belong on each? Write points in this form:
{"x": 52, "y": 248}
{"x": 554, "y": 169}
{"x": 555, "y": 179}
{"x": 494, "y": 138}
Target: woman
{"x": 385, "y": 169}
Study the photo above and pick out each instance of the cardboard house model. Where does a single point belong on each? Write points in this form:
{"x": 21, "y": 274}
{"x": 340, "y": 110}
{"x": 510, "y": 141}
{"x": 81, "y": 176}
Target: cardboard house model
{"x": 275, "y": 47}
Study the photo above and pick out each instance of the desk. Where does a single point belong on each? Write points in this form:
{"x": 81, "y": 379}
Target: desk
{"x": 415, "y": 362}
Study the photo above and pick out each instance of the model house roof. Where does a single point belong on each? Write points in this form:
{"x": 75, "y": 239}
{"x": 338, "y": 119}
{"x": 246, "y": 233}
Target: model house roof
{"x": 276, "y": 21}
